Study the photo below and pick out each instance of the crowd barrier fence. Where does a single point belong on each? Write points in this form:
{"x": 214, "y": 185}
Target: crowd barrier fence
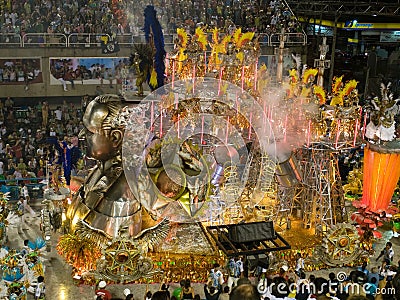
{"x": 86, "y": 40}
{"x": 13, "y": 186}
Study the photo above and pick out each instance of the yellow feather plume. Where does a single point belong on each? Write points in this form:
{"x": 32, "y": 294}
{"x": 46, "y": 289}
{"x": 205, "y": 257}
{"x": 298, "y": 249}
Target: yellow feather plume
{"x": 182, "y": 36}
{"x": 293, "y": 76}
{"x": 215, "y": 35}
{"x": 153, "y": 78}
{"x": 337, "y": 81}
{"x": 337, "y": 100}
{"x": 236, "y": 35}
{"x": 240, "y": 56}
{"x": 201, "y": 38}
{"x": 225, "y": 41}
{"x": 308, "y": 73}
{"x": 245, "y": 38}
{"x": 349, "y": 87}
{"x": 319, "y": 92}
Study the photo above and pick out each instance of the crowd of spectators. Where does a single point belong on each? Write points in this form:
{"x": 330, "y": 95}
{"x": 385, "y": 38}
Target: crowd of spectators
{"x": 261, "y": 16}
{"x": 365, "y": 282}
{"x": 29, "y": 138}
{"x": 361, "y": 283}
{"x": 19, "y": 71}
{"x": 56, "y": 16}
{"x": 119, "y": 17}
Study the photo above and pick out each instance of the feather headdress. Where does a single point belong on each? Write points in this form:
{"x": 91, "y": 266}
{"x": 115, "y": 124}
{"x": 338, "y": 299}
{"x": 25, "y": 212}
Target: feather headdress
{"x": 386, "y": 95}
{"x": 349, "y": 87}
{"x": 337, "y": 100}
{"x": 236, "y": 36}
{"x": 308, "y": 73}
{"x": 319, "y": 92}
{"x": 337, "y": 81}
{"x": 217, "y": 46}
{"x": 294, "y": 78}
{"x": 215, "y": 35}
{"x": 244, "y": 39}
{"x": 182, "y": 36}
{"x": 225, "y": 42}
{"x": 201, "y": 38}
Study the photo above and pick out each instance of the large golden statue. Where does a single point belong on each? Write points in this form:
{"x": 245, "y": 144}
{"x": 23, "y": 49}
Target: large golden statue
{"x": 105, "y": 202}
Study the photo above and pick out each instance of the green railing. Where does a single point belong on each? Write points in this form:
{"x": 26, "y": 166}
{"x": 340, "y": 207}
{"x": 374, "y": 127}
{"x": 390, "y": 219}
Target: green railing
{"x": 12, "y": 186}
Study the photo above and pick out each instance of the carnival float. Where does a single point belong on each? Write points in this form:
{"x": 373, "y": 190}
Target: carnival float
{"x": 222, "y": 146}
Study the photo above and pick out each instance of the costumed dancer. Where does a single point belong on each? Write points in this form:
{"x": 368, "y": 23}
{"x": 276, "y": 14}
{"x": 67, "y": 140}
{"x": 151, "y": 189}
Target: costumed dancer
{"x": 32, "y": 257}
{"x": 26, "y": 249}
{"x": 142, "y": 62}
{"x": 20, "y": 210}
{"x": 69, "y": 156}
{"x": 382, "y": 125}
{"x": 235, "y": 268}
{"x": 215, "y": 277}
{"x": 27, "y": 198}
{"x": 40, "y": 289}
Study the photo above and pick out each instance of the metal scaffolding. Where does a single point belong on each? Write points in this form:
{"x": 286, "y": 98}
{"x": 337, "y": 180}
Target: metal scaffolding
{"x": 285, "y": 196}
{"x": 322, "y": 197}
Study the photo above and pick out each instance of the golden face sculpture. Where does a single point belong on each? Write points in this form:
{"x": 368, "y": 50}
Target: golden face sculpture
{"x": 103, "y": 140}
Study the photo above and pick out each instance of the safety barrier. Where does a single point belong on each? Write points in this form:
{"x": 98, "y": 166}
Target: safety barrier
{"x": 35, "y": 188}
{"x": 10, "y": 40}
{"x": 297, "y": 38}
{"x": 94, "y": 39}
{"x": 44, "y": 40}
{"x": 87, "y": 40}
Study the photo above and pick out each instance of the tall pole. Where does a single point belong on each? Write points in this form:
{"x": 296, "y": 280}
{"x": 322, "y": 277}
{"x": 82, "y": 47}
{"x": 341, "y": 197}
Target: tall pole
{"x": 333, "y": 53}
{"x": 279, "y": 71}
{"x": 322, "y": 63}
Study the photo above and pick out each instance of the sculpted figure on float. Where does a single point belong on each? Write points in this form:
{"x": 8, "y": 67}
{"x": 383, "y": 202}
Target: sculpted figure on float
{"x": 104, "y": 201}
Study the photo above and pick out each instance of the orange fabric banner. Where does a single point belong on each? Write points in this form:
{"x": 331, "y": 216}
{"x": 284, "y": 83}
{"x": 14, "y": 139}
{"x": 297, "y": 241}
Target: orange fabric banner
{"x": 380, "y": 177}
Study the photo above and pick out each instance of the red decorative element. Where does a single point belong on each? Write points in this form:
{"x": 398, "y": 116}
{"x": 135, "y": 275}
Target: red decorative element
{"x": 368, "y": 220}
{"x": 358, "y": 204}
{"x": 377, "y": 234}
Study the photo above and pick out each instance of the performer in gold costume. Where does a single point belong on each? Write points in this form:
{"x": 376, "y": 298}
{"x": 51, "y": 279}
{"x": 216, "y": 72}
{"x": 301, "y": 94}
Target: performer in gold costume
{"x": 105, "y": 202}
{"x": 141, "y": 73}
